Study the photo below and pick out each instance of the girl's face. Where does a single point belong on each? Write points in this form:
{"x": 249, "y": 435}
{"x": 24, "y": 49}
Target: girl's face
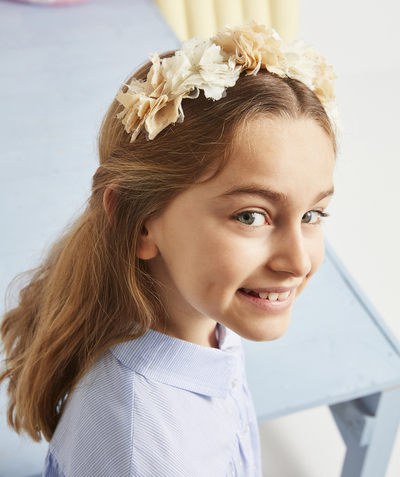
{"x": 240, "y": 248}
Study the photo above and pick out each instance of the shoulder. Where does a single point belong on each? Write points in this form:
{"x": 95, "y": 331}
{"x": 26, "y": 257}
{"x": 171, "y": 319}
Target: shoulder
{"x": 93, "y": 437}
{"x": 151, "y": 407}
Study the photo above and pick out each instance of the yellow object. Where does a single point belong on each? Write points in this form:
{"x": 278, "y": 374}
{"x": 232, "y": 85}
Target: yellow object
{"x": 174, "y": 12}
{"x": 202, "y": 18}
{"x": 258, "y": 10}
{"x": 228, "y": 12}
{"x": 284, "y": 16}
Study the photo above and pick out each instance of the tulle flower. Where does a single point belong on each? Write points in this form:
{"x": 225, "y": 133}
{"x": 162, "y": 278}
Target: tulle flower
{"x": 213, "y": 66}
{"x": 156, "y": 103}
{"x": 254, "y": 46}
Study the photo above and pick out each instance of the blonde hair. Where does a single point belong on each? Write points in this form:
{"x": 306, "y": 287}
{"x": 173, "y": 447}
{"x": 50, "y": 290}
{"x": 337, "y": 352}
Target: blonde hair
{"x": 92, "y": 291}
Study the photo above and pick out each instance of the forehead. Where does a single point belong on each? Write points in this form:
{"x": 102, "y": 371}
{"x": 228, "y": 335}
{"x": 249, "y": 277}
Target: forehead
{"x": 286, "y": 155}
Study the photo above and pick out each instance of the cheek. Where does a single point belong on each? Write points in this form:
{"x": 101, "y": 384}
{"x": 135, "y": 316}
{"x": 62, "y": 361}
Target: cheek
{"x": 219, "y": 264}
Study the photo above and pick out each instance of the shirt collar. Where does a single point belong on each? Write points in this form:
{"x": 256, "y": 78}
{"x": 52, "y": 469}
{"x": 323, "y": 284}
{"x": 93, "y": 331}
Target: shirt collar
{"x": 182, "y": 364}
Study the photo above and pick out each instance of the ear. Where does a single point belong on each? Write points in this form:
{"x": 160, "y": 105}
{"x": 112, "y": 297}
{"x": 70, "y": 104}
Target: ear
{"x": 147, "y": 247}
{"x": 109, "y": 201}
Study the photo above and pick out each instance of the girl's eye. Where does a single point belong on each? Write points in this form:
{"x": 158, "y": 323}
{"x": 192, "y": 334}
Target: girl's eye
{"x": 312, "y": 217}
{"x": 251, "y": 218}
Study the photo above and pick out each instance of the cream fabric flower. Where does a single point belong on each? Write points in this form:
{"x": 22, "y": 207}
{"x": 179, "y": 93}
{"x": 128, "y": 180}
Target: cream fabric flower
{"x": 301, "y": 63}
{"x": 254, "y": 46}
{"x": 156, "y": 103}
{"x": 310, "y": 67}
{"x": 214, "y": 65}
{"x": 199, "y": 65}
{"x": 143, "y": 101}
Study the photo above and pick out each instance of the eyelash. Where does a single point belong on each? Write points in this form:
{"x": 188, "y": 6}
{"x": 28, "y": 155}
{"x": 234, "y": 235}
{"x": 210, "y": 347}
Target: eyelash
{"x": 235, "y": 217}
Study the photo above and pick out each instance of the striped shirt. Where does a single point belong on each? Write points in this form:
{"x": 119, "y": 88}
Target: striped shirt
{"x": 159, "y": 406}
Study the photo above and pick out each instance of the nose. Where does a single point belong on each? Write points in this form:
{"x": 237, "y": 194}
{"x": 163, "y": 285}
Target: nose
{"x": 289, "y": 252}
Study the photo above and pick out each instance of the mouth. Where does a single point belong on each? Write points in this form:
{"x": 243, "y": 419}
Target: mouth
{"x": 274, "y": 300}
{"x": 271, "y": 296}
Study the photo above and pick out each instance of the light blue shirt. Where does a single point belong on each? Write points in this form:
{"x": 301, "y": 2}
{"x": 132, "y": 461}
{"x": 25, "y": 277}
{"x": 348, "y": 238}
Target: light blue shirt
{"x": 159, "y": 406}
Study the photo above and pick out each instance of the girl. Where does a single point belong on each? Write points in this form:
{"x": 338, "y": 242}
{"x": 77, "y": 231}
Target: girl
{"x": 203, "y": 224}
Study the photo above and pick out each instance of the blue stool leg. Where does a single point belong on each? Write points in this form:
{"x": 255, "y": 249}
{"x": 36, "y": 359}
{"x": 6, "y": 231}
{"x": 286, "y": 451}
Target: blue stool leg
{"x": 368, "y": 427}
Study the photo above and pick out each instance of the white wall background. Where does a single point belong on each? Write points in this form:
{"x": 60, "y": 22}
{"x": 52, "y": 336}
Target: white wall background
{"x": 362, "y": 41}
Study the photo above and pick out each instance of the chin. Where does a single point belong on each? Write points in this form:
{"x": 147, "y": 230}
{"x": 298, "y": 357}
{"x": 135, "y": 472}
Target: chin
{"x": 271, "y": 330}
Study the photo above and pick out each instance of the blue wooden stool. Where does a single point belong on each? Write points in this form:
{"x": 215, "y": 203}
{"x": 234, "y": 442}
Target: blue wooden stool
{"x": 340, "y": 353}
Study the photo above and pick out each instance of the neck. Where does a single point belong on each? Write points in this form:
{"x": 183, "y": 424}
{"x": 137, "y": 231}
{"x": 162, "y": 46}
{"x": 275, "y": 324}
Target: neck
{"x": 202, "y": 334}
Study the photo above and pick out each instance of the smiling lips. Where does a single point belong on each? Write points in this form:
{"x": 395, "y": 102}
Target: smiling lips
{"x": 271, "y": 296}
{"x": 277, "y": 300}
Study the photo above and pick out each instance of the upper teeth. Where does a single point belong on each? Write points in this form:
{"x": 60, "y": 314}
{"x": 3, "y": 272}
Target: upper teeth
{"x": 272, "y": 296}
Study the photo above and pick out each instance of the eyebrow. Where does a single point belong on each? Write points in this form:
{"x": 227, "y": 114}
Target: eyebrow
{"x": 274, "y": 196}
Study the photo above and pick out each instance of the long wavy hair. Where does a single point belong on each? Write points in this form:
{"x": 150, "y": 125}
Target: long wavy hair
{"x": 92, "y": 291}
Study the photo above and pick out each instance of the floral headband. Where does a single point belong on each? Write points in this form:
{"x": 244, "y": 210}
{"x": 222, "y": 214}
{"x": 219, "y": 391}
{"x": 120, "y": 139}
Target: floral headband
{"x": 214, "y": 65}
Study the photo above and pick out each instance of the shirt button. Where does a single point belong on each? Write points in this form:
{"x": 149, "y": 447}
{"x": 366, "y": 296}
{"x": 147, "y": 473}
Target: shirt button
{"x": 246, "y": 428}
{"x": 234, "y": 383}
